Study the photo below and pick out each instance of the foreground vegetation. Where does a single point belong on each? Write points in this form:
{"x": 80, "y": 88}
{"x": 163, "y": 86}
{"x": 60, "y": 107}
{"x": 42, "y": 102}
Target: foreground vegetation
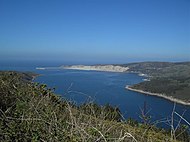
{"x": 171, "y": 79}
{"x": 32, "y": 112}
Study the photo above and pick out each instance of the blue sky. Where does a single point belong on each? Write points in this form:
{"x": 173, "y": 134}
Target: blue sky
{"x": 95, "y": 31}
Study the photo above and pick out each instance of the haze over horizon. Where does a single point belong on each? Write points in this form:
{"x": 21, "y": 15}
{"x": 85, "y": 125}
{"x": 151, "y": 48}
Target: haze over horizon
{"x": 95, "y": 31}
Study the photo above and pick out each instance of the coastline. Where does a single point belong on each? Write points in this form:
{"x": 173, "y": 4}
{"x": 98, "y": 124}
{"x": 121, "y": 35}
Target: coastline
{"x": 104, "y": 68}
{"x": 170, "y": 98}
{"x": 34, "y": 77}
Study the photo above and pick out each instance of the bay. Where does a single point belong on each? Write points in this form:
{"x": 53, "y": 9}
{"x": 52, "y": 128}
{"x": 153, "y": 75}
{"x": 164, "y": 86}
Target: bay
{"x": 105, "y": 87}
{"x": 108, "y": 87}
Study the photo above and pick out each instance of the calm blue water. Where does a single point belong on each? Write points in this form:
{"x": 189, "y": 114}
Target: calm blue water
{"x": 102, "y": 88}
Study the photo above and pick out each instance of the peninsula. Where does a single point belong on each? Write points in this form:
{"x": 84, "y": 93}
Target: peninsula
{"x": 165, "y": 79}
{"x": 170, "y": 98}
{"x": 108, "y": 68}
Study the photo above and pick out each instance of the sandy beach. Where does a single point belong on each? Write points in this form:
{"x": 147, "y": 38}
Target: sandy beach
{"x": 170, "y": 98}
{"x": 108, "y": 68}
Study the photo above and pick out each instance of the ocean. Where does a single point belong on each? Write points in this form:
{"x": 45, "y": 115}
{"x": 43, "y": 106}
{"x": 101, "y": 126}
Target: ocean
{"x": 102, "y": 88}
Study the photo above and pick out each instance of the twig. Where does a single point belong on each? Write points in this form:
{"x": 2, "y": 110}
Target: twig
{"x": 100, "y": 134}
{"x": 182, "y": 118}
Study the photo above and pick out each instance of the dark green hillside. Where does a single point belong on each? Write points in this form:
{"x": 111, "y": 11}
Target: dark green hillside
{"x": 170, "y": 87}
{"x": 148, "y": 67}
{"x": 32, "y": 112}
{"x": 172, "y": 79}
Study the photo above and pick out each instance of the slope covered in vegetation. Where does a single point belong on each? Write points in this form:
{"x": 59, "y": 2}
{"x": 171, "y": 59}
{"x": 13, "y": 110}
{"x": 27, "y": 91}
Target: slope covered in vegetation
{"x": 171, "y": 79}
{"x": 32, "y": 112}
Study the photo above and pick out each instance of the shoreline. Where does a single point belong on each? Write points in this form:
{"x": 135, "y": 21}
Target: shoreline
{"x": 170, "y": 98}
{"x": 103, "y": 68}
{"x": 34, "y": 77}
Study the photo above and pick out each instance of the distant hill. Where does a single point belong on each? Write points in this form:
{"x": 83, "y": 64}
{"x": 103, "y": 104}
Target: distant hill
{"x": 171, "y": 79}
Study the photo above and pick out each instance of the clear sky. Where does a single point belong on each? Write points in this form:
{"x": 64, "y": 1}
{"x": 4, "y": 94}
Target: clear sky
{"x": 95, "y": 31}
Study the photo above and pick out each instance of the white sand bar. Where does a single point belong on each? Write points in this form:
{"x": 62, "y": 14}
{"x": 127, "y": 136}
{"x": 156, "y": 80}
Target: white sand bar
{"x": 109, "y": 68}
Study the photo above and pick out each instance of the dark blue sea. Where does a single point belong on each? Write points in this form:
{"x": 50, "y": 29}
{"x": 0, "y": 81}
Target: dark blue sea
{"x": 102, "y": 88}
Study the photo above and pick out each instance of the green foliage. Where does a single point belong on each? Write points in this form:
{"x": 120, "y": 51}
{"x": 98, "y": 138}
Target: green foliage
{"x": 132, "y": 122}
{"x": 182, "y": 133}
{"x": 106, "y": 112}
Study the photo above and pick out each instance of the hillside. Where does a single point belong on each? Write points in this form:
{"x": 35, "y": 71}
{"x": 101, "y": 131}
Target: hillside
{"x": 32, "y": 112}
{"x": 171, "y": 79}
